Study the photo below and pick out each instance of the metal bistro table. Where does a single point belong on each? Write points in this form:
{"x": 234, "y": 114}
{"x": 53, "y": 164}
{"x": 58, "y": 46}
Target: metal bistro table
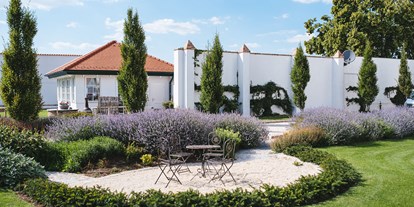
{"x": 203, "y": 148}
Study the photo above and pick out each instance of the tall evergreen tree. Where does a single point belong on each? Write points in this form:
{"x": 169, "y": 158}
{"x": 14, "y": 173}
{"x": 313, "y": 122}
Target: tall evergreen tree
{"x": 132, "y": 78}
{"x": 300, "y": 77}
{"x": 404, "y": 79}
{"x": 367, "y": 80}
{"x": 20, "y": 83}
{"x": 212, "y": 90}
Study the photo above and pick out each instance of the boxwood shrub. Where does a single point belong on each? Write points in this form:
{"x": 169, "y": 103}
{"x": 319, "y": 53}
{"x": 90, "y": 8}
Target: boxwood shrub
{"x": 15, "y": 168}
{"x": 149, "y": 127}
{"x": 337, "y": 176}
{"x": 73, "y": 156}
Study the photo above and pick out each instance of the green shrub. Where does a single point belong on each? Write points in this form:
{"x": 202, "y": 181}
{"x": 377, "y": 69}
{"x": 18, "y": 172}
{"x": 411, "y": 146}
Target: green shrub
{"x": 77, "y": 114}
{"x": 15, "y": 168}
{"x": 78, "y": 154}
{"x": 168, "y": 105}
{"x": 25, "y": 142}
{"x": 133, "y": 152}
{"x": 337, "y": 176}
{"x": 54, "y": 194}
{"x": 311, "y": 136}
{"x": 146, "y": 159}
{"x": 225, "y": 134}
{"x": 37, "y": 125}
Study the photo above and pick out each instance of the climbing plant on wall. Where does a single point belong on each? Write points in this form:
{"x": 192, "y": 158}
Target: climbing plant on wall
{"x": 398, "y": 99}
{"x": 268, "y": 95}
{"x": 230, "y": 104}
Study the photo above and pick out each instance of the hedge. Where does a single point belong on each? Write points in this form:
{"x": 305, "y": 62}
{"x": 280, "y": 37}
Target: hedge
{"x": 337, "y": 177}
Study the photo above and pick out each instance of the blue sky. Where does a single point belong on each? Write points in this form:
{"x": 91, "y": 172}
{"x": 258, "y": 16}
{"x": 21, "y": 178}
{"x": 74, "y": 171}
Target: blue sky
{"x": 79, "y": 26}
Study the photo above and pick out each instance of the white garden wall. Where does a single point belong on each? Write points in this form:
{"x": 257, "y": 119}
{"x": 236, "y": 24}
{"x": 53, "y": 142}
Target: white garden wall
{"x": 46, "y": 63}
{"x": 329, "y": 77}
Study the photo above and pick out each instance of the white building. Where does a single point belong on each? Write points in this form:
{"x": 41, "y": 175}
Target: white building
{"x": 95, "y": 74}
{"x": 46, "y": 63}
{"x": 327, "y": 85}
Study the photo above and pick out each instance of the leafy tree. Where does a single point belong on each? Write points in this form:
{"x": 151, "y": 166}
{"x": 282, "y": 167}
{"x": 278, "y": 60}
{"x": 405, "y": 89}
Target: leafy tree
{"x": 20, "y": 83}
{"x": 404, "y": 79}
{"x": 211, "y": 97}
{"x": 132, "y": 78}
{"x": 367, "y": 80}
{"x": 300, "y": 77}
{"x": 385, "y": 23}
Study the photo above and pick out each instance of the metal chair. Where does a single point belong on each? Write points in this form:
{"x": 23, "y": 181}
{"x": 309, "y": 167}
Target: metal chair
{"x": 171, "y": 160}
{"x": 213, "y": 139}
{"x": 224, "y": 163}
{"x": 178, "y": 153}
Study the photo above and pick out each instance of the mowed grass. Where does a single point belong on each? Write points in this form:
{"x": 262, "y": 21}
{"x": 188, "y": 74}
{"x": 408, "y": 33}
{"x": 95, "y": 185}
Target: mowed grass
{"x": 387, "y": 168}
{"x": 9, "y": 198}
{"x": 42, "y": 114}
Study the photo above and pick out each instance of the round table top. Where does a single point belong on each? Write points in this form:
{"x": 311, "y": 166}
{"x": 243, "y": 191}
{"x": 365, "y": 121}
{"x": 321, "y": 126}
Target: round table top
{"x": 206, "y": 146}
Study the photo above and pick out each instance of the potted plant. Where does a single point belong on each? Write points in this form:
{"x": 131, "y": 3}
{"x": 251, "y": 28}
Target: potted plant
{"x": 64, "y": 105}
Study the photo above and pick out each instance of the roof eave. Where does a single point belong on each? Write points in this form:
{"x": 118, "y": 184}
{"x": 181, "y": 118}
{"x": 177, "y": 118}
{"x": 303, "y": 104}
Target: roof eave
{"x": 100, "y": 72}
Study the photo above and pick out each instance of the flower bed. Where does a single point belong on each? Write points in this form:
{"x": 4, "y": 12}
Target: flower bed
{"x": 147, "y": 128}
{"x": 337, "y": 177}
{"x": 345, "y": 127}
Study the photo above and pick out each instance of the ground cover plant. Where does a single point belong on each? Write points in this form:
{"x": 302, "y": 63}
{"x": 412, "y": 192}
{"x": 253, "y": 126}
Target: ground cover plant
{"x": 16, "y": 168}
{"x": 148, "y": 128}
{"x": 337, "y": 176}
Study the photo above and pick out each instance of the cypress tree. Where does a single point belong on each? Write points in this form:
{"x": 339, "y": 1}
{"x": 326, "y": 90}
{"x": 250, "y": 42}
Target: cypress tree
{"x": 132, "y": 78}
{"x": 212, "y": 90}
{"x": 300, "y": 77}
{"x": 367, "y": 80}
{"x": 404, "y": 79}
{"x": 20, "y": 83}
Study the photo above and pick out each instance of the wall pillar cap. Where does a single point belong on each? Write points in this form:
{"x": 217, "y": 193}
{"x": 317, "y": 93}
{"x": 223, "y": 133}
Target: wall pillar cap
{"x": 338, "y": 54}
{"x": 189, "y": 46}
{"x": 244, "y": 49}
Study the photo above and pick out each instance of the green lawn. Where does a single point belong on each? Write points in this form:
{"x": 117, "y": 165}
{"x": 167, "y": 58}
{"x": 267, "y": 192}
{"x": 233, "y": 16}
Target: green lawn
{"x": 9, "y": 198}
{"x": 43, "y": 114}
{"x": 387, "y": 168}
{"x": 275, "y": 118}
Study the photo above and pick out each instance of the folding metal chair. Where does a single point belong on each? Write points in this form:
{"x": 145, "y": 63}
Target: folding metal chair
{"x": 224, "y": 163}
{"x": 178, "y": 153}
{"x": 172, "y": 161}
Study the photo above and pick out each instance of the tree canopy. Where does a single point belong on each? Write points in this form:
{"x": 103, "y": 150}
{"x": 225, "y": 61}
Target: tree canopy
{"x": 20, "y": 83}
{"x": 387, "y": 24}
{"x": 211, "y": 97}
{"x": 132, "y": 78}
{"x": 300, "y": 77}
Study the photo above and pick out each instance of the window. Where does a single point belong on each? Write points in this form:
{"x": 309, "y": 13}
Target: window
{"x": 66, "y": 90}
{"x": 92, "y": 89}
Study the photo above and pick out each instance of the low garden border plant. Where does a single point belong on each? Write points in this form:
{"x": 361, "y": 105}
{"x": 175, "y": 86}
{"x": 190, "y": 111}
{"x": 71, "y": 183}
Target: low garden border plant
{"x": 337, "y": 176}
{"x": 342, "y": 127}
{"x": 148, "y": 128}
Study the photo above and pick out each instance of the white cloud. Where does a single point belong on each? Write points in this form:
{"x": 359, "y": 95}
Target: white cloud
{"x": 68, "y": 45}
{"x": 313, "y": 1}
{"x": 165, "y": 26}
{"x": 217, "y": 20}
{"x": 299, "y": 38}
{"x": 280, "y": 32}
{"x": 253, "y": 45}
{"x": 50, "y": 4}
{"x": 72, "y": 25}
{"x": 117, "y": 26}
{"x": 2, "y": 22}
{"x": 283, "y": 16}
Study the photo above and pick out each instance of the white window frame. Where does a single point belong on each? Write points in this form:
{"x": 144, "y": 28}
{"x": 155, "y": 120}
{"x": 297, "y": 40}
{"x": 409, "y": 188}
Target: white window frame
{"x": 96, "y": 88}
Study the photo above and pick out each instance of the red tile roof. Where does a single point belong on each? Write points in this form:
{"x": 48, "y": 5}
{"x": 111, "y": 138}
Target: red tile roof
{"x": 108, "y": 58}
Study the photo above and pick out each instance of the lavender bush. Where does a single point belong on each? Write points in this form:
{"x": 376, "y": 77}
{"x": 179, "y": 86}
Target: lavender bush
{"x": 149, "y": 127}
{"x": 343, "y": 127}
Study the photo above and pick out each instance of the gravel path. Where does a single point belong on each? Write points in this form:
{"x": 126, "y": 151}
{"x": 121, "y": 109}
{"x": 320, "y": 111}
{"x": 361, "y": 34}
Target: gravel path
{"x": 251, "y": 169}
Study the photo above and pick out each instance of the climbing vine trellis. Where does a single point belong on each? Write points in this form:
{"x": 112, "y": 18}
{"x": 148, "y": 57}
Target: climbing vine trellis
{"x": 268, "y": 95}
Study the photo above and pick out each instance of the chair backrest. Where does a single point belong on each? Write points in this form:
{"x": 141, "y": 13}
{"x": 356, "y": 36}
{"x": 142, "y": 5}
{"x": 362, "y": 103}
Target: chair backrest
{"x": 213, "y": 139}
{"x": 229, "y": 149}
